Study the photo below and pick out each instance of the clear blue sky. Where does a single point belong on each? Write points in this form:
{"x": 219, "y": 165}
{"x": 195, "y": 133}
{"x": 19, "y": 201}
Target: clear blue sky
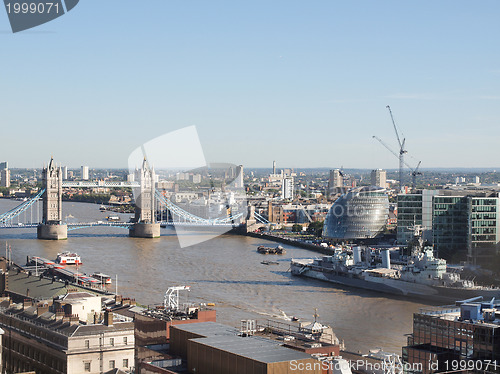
{"x": 304, "y": 83}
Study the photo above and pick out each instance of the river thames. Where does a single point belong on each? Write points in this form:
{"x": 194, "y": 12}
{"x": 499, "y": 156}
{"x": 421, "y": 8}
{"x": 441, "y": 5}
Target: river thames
{"x": 227, "y": 271}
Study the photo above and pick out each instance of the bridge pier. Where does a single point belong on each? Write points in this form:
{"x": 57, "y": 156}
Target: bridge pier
{"x": 145, "y": 230}
{"x": 52, "y": 232}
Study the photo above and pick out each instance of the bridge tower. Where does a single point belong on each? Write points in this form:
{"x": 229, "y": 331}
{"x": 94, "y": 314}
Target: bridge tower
{"x": 51, "y": 227}
{"x": 145, "y": 225}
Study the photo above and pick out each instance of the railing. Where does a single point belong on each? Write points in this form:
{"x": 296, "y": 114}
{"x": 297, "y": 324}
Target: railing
{"x": 97, "y": 184}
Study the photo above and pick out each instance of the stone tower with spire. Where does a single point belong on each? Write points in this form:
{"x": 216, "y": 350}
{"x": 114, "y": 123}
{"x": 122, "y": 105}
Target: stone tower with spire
{"x": 51, "y": 227}
{"x": 52, "y": 200}
{"x": 145, "y": 194}
{"x": 145, "y": 210}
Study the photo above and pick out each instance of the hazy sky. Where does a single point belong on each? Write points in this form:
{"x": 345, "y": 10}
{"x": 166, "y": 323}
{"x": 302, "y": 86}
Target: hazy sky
{"x": 304, "y": 83}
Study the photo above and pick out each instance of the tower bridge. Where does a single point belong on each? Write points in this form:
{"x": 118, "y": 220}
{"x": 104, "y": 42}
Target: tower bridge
{"x": 148, "y": 200}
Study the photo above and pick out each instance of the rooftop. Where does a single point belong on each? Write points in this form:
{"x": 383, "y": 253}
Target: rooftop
{"x": 208, "y": 329}
{"x": 49, "y": 320}
{"x": 253, "y": 347}
{"x": 21, "y": 283}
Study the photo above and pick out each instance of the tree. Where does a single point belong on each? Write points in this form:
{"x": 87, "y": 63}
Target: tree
{"x": 315, "y": 228}
{"x": 297, "y": 228}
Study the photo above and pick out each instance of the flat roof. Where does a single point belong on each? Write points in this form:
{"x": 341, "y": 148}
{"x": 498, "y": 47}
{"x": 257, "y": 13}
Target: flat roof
{"x": 253, "y": 347}
{"x": 225, "y": 338}
{"x": 207, "y": 329}
{"x": 39, "y": 288}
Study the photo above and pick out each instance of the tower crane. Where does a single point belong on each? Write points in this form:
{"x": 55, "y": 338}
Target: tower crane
{"x": 402, "y": 150}
{"x": 414, "y": 172}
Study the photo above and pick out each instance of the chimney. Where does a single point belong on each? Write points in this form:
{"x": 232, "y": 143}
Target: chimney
{"x": 97, "y": 317}
{"x": 74, "y": 319}
{"x": 27, "y": 303}
{"x": 108, "y": 317}
{"x": 42, "y": 309}
{"x": 118, "y": 299}
{"x": 59, "y": 314}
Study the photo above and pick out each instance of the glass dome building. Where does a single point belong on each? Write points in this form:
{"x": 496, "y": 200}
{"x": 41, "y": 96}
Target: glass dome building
{"x": 361, "y": 213}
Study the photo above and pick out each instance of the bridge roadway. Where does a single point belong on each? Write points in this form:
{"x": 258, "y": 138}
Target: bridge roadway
{"x": 123, "y": 225}
{"x": 96, "y": 184}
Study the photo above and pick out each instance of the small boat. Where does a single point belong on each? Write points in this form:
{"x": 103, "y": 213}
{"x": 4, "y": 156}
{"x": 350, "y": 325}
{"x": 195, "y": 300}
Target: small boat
{"x": 279, "y": 250}
{"x": 113, "y": 218}
{"x": 105, "y": 279}
{"x": 102, "y": 208}
{"x": 68, "y": 258}
{"x": 269, "y": 262}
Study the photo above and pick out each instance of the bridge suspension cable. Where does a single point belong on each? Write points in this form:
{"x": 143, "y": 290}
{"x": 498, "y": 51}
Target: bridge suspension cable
{"x": 13, "y": 213}
{"x": 174, "y": 209}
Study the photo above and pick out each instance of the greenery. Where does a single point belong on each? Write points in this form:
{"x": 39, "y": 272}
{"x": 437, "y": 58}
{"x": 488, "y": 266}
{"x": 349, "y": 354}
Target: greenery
{"x": 316, "y": 228}
{"x": 297, "y": 228}
{"x": 89, "y": 198}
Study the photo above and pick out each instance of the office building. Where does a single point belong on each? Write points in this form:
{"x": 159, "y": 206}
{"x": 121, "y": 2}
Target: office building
{"x": 5, "y": 178}
{"x": 39, "y": 338}
{"x": 360, "y": 214}
{"x": 85, "y": 173}
{"x": 379, "y": 178}
{"x": 4, "y": 165}
{"x": 415, "y": 210}
{"x": 467, "y": 334}
{"x": 238, "y": 181}
{"x": 459, "y": 223}
{"x": 65, "y": 172}
{"x": 51, "y": 327}
{"x": 466, "y": 224}
{"x": 196, "y": 178}
{"x": 287, "y": 188}
{"x": 335, "y": 182}
{"x": 274, "y": 167}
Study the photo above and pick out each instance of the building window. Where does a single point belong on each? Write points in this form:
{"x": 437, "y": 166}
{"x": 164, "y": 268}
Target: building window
{"x": 125, "y": 340}
{"x": 111, "y": 341}
{"x": 86, "y": 366}
{"x": 87, "y": 343}
{"x": 125, "y": 362}
{"x": 111, "y": 364}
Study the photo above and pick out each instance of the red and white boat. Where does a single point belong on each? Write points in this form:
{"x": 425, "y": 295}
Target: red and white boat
{"x": 68, "y": 258}
{"x": 105, "y": 279}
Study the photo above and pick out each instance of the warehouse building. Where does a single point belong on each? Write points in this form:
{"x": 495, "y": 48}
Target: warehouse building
{"x": 215, "y": 348}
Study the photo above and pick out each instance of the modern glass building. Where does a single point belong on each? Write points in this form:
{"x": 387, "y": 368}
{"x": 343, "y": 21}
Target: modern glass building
{"x": 361, "y": 213}
{"x": 483, "y": 227}
{"x": 467, "y": 224}
{"x": 449, "y": 226}
{"x": 415, "y": 209}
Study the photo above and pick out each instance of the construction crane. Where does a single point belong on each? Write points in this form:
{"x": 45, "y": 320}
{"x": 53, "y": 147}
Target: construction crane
{"x": 402, "y": 150}
{"x": 414, "y": 172}
{"x": 171, "y": 300}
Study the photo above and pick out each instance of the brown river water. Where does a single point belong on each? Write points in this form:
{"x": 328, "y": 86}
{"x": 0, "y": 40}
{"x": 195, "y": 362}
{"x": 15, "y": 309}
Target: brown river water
{"x": 226, "y": 271}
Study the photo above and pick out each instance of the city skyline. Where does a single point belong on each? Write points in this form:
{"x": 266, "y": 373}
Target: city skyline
{"x": 309, "y": 82}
